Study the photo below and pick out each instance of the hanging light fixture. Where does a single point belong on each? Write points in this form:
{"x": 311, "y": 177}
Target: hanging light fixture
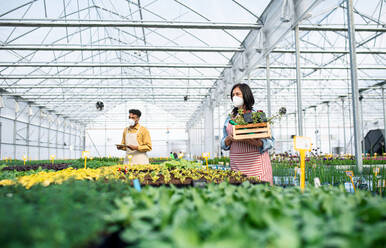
{"x": 30, "y": 112}
{"x": 17, "y": 107}
{"x": 1, "y": 102}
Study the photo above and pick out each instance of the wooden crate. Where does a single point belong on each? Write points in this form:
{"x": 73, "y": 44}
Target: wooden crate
{"x": 252, "y": 131}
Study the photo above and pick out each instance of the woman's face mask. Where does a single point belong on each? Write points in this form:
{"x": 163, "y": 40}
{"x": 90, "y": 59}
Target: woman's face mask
{"x": 131, "y": 122}
{"x": 238, "y": 101}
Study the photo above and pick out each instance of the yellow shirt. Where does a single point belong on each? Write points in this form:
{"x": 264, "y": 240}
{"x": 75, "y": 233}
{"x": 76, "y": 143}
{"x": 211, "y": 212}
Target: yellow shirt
{"x": 143, "y": 137}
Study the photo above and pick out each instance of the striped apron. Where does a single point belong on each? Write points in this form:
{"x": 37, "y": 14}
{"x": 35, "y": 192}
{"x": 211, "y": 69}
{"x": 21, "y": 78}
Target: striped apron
{"x": 248, "y": 160}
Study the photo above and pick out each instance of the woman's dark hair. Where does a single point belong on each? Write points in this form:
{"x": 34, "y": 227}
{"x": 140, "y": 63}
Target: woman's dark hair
{"x": 249, "y": 100}
{"x": 135, "y": 112}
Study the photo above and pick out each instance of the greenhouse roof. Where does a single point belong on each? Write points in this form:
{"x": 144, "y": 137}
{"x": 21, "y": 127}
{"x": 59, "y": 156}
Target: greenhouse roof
{"x": 181, "y": 56}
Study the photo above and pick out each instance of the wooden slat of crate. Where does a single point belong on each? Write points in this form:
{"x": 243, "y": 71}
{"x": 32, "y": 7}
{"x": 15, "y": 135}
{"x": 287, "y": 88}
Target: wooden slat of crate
{"x": 252, "y": 131}
{"x": 254, "y": 125}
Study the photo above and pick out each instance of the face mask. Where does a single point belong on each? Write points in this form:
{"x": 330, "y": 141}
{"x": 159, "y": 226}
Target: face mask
{"x": 131, "y": 122}
{"x": 238, "y": 101}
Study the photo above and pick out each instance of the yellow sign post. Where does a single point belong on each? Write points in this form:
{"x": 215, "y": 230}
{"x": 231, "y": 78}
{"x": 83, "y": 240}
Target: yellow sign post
{"x": 206, "y": 155}
{"x": 24, "y": 159}
{"x": 52, "y": 158}
{"x": 130, "y": 157}
{"x": 350, "y": 174}
{"x": 180, "y": 155}
{"x": 302, "y": 145}
{"x": 84, "y": 155}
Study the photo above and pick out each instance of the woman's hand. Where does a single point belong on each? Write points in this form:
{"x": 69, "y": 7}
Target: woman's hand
{"x": 228, "y": 140}
{"x": 255, "y": 142}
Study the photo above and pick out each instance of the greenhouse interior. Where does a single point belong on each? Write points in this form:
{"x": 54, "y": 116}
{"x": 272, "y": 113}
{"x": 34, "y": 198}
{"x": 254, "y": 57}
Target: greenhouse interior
{"x": 175, "y": 123}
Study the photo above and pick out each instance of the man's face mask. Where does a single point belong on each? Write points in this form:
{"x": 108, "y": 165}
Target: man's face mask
{"x": 131, "y": 122}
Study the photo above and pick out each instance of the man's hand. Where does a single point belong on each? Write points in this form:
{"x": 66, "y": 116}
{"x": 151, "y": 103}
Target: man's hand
{"x": 121, "y": 147}
{"x": 255, "y": 142}
{"x": 132, "y": 147}
{"x": 228, "y": 140}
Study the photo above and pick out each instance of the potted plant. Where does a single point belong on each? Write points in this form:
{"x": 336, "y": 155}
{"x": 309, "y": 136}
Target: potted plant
{"x": 253, "y": 125}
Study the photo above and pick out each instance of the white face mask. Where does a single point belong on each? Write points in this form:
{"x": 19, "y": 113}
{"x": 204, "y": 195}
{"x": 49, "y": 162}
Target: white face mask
{"x": 131, "y": 122}
{"x": 238, "y": 101}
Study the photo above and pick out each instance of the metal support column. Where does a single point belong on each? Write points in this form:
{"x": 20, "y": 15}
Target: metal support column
{"x": 344, "y": 127}
{"x": 73, "y": 145}
{"x": 304, "y": 123}
{"x": 39, "y": 134}
{"x": 56, "y": 137}
{"x": 298, "y": 83}
{"x": 269, "y": 113}
{"x": 105, "y": 137}
{"x": 384, "y": 117}
{"x": 287, "y": 133}
{"x": 188, "y": 150}
{"x": 329, "y": 128}
{"x": 316, "y": 129}
{"x": 84, "y": 138}
{"x": 27, "y": 134}
{"x": 280, "y": 138}
{"x": 354, "y": 85}
{"x": 48, "y": 138}
{"x": 349, "y": 121}
{"x": 362, "y": 124}
{"x": 295, "y": 123}
{"x": 209, "y": 130}
{"x": 70, "y": 131}
{"x": 219, "y": 131}
{"x": 14, "y": 134}
{"x": 1, "y": 140}
{"x": 63, "y": 140}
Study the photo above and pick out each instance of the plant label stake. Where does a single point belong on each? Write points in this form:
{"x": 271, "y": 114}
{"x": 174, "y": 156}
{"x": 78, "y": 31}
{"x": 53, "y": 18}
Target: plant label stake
{"x": 24, "y": 159}
{"x": 376, "y": 171}
{"x": 206, "y": 155}
{"x": 84, "y": 155}
{"x": 296, "y": 171}
{"x": 52, "y": 158}
{"x": 350, "y": 174}
{"x": 130, "y": 157}
{"x": 302, "y": 144}
{"x": 137, "y": 185}
{"x": 317, "y": 182}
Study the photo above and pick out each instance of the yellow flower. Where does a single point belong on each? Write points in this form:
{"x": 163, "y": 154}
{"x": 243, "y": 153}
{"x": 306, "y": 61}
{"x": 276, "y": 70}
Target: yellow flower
{"x": 7, "y": 182}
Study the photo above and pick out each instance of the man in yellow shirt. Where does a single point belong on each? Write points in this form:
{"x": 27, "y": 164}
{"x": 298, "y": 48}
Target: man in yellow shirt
{"x": 136, "y": 140}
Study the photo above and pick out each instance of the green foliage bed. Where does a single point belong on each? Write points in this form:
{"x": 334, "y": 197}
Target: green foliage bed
{"x": 82, "y": 214}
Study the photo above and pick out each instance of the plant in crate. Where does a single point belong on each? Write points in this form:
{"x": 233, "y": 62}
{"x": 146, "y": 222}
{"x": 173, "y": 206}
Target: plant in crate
{"x": 253, "y": 124}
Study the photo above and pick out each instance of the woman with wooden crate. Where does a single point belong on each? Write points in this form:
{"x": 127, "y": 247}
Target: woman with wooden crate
{"x": 247, "y": 155}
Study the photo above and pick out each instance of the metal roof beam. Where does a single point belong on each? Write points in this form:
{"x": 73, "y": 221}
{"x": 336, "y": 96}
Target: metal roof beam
{"x": 342, "y": 28}
{"x": 173, "y": 65}
{"x": 75, "y": 64}
{"x": 45, "y": 47}
{"x": 172, "y": 25}
{"x": 125, "y": 24}
{"x": 114, "y": 77}
{"x": 101, "y": 87}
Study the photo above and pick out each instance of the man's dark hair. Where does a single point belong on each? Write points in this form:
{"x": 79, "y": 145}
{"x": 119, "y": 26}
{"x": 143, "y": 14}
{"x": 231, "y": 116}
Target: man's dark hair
{"x": 135, "y": 112}
{"x": 249, "y": 100}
